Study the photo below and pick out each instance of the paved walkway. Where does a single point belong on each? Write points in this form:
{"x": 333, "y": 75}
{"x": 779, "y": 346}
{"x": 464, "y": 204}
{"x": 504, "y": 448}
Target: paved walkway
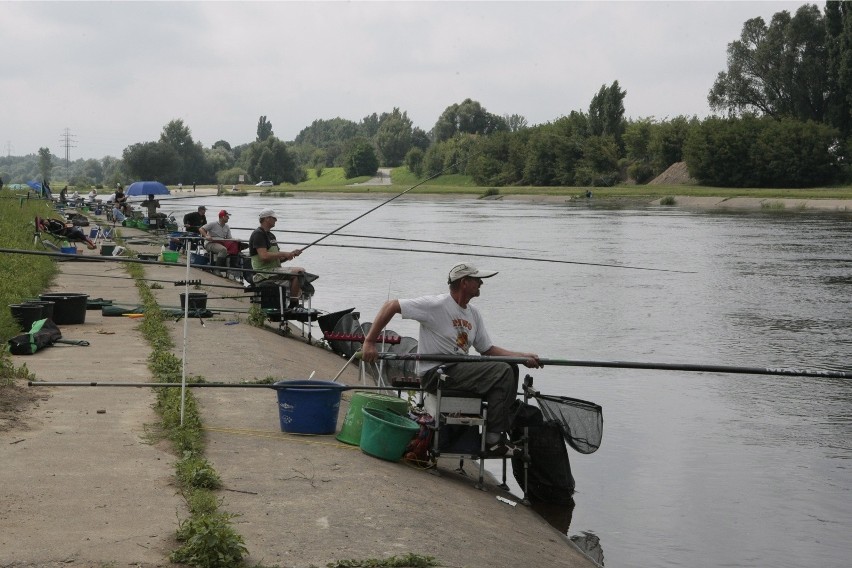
{"x": 383, "y": 178}
{"x": 84, "y": 484}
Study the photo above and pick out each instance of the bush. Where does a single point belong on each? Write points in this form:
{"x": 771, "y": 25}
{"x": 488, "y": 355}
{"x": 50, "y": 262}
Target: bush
{"x": 360, "y": 160}
{"x": 209, "y": 542}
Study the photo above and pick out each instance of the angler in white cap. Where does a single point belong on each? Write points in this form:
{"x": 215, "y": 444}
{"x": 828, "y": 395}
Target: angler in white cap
{"x": 266, "y": 259}
{"x": 450, "y": 325}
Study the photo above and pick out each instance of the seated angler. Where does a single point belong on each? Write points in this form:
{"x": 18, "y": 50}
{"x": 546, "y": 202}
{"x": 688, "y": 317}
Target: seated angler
{"x": 218, "y": 239}
{"x": 193, "y": 221}
{"x": 65, "y": 230}
{"x": 450, "y": 325}
{"x": 266, "y": 259}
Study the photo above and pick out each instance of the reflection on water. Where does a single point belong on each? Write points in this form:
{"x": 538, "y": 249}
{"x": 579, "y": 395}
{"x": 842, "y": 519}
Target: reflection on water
{"x": 559, "y": 517}
{"x": 695, "y": 469}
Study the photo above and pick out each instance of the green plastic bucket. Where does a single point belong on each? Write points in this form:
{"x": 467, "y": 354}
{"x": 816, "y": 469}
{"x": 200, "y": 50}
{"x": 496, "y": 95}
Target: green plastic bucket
{"x": 350, "y": 432}
{"x": 385, "y": 435}
{"x": 169, "y": 256}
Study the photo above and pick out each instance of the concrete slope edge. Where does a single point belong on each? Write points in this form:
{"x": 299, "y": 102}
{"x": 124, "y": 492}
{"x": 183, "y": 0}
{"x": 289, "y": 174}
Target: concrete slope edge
{"x": 302, "y": 501}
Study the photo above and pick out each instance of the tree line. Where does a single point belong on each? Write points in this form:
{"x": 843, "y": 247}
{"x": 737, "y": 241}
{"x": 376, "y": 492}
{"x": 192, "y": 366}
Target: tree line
{"x": 783, "y": 119}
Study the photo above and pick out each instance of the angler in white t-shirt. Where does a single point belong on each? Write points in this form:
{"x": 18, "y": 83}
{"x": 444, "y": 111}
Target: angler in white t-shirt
{"x": 450, "y": 325}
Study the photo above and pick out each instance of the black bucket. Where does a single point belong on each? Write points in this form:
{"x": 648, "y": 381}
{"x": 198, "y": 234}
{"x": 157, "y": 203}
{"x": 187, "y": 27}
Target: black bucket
{"x": 69, "y": 308}
{"x": 26, "y": 314}
{"x": 197, "y": 300}
{"x": 46, "y": 307}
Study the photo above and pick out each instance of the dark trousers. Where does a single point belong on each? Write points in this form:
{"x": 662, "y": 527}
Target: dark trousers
{"x": 497, "y": 383}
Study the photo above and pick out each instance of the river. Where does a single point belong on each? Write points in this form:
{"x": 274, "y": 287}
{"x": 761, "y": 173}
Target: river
{"x": 695, "y": 469}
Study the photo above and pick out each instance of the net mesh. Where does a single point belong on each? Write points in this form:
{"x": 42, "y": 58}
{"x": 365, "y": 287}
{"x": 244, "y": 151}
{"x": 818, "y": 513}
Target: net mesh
{"x": 581, "y": 422}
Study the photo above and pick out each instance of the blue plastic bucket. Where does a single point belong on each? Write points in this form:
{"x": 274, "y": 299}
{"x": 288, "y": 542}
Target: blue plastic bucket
{"x": 309, "y": 410}
{"x": 200, "y": 259}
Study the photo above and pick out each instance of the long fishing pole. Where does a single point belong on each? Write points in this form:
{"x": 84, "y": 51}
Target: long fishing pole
{"x": 350, "y": 235}
{"x": 382, "y": 204}
{"x": 319, "y": 386}
{"x": 503, "y": 256}
{"x": 790, "y": 372}
{"x": 175, "y": 282}
{"x": 98, "y": 258}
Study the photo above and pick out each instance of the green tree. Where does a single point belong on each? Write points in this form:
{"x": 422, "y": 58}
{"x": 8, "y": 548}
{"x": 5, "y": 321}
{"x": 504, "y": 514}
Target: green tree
{"x": 637, "y": 146}
{"x": 792, "y": 153}
{"x": 222, "y": 144}
{"x": 152, "y": 161}
{"x": 779, "y": 70}
{"x": 317, "y": 160}
{"x": 838, "y": 24}
{"x": 420, "y": 139}
{"x": 498, "y": 159}
{"x": 553, "y": 150}
{"x": 45, "y": 163}
{"x": 264, "y": 129}
{"x": 369, "y": 126}
{"x": 393, "y": 138}
{"x": 324, "y": 133}
{"x": 113, "y": 171}
{"x": 606, "y": 113}
{"x": 218, "y": 158}
{"x": 515, "y": 122}
{"x": 230, "y": 176}
{"x": 191, "y": 166}
{"x": 599, "y": 165}
{"x": 468, "y": 117}
{"x": 414, "y": 161}
{"x": 270, "y": 160}
{"x": 667, "y": 141}
{"x": 360, "y": 159}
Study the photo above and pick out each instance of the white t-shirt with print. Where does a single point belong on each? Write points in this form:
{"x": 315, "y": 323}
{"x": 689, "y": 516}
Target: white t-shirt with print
{"x": 445, "y": 327}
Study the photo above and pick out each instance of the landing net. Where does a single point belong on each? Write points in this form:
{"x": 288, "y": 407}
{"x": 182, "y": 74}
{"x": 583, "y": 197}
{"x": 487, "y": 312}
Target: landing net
{"x": 581, "y": 422}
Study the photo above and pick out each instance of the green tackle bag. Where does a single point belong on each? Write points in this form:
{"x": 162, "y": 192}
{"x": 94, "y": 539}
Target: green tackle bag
{"x": 44, "y": 333}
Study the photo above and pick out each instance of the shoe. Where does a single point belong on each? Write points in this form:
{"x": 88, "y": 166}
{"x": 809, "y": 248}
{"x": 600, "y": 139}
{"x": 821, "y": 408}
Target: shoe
{"x": 504, "y": 449}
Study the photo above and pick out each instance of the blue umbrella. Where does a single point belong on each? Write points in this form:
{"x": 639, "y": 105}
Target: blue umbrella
{"x": 147, "y": 188}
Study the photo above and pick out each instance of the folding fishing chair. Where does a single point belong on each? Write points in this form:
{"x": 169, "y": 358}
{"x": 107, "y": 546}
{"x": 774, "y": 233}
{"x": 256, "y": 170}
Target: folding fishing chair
{"x": 459, "y": 430}
{"x": 99, "y": 234}
{"x": 274, "y": 299}
{"x": 58, "y": 231}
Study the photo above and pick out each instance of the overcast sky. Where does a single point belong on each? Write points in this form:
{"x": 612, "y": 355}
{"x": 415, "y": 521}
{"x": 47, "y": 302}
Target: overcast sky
{"x": 114, "y": 73}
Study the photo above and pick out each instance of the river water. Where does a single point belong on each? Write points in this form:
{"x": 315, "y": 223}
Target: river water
{"x": 695, "y": 469}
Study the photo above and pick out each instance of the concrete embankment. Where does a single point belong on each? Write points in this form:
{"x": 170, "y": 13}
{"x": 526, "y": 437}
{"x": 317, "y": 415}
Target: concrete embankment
{"x": 84, "y": 483}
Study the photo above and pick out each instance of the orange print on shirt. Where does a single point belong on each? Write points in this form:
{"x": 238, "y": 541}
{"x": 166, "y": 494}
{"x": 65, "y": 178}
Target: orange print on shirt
{"x": 461, "y": 340}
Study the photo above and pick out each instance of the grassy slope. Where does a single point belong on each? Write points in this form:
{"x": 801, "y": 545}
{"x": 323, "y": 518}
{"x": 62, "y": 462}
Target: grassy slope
{"x": 333, "y": 180}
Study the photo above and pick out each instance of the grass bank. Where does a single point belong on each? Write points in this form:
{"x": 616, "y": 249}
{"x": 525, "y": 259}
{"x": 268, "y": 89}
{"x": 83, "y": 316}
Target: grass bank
{"x": 332, "y": 180}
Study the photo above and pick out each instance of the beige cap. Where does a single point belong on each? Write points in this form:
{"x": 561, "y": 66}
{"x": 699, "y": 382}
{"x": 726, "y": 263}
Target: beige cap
{"x": 463, "y": 269}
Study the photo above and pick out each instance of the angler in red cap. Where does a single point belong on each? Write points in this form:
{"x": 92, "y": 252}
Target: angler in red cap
{"x": 218, "y": 238}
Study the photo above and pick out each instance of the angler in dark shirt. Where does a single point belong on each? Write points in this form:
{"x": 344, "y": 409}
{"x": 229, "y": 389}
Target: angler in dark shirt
{"x": 192, "y": 222}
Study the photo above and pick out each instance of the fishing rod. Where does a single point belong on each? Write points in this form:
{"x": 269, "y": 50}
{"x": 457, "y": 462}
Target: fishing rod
{"x": 367, "y": 247}
{"x": 503, "y": 256}
{"x": 98, "y": 258}
{"x": 790, "y": 372}
{"x": 175, "y": 282}
{"x": 382, "y": 238}
{"x": 301, "y": 386}
{"x": 397, "y": 196}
